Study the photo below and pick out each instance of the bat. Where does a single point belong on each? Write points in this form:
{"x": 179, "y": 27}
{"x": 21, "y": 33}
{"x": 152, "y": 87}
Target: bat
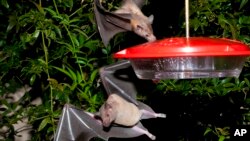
{"x": 119, "y": 111}
{"x": 110, "y": 112}
{"x": 78, "y": 125}
{"x": 127, "y": 18}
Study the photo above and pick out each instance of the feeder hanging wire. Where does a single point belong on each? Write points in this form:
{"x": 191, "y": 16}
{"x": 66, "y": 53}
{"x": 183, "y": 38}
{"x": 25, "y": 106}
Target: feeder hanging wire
{"x": 187, "y": 17}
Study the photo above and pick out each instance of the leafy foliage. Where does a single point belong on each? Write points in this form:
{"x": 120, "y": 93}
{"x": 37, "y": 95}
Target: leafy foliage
{"x": 220, "y": 18}
{"x": 53, "y": 46}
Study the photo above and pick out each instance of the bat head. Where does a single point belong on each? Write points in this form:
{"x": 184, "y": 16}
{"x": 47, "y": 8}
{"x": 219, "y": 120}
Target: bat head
{"x": 142, "y": 26}
{"x": 107, "y": 113}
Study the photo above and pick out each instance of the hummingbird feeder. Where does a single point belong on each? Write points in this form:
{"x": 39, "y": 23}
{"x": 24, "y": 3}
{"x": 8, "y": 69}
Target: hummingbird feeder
{"x": 187, "y": 57}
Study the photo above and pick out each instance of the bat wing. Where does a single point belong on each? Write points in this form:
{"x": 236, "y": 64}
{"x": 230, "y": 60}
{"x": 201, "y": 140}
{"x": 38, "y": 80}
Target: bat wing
{"x": 77, "y": 125}
{"x": 109, "y": 24}
{"x": 119, "y": 78}
{"x": 139, "y": 3}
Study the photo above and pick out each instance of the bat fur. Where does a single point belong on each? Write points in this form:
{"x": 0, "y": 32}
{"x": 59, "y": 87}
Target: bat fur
{"x": 110, "y": 112}
{"x": 119, "y": 111}
{"x": 127, "y": 18}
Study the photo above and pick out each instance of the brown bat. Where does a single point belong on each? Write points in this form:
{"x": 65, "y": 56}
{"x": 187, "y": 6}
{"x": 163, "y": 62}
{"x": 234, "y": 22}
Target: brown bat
{"x": 127, "y": 18}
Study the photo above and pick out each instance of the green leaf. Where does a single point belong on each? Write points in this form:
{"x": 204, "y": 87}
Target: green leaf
{"x": 226, "y": 80}
{"x": 94, "y": 98}
{"x": 210, "y": 90}
{"x": 58, "y": 31}
{"x": 215, "y": 81}
{"x": 58, "y": 17}
{"x": 72, "y": 74}
{"x": 227, "y": 85}
{"x": 75, "y": 41}
{"x": 208, "y": 130}
{"x": 79, "y": 77}
{"x": 39, "y": 7}
{"x": 104, "y": 51}
{"x": 5, "y": 3}
{"x": 237, "y": 81}
{"x": 93, "y": 75}
{"x": 32, "y": 79}
{"x": 43, "y": 124}
{"x": 221, "y": 138}
{"x": 63, "y": 71}
{"x": 74, "y": 20}
{"x": 51, "y": 12}
{"x": 80, "y": 62}
{"x": 50, "y": 130}
{"x": 243, "y": 3}
{"x": 242, "y": 83}
{"x": 81, "y": 32}
{"x": 92, "y": 44}
{"x": 244, "y": 20}
{"x": 12, "y": 23}
{"x": 36, "y": 34}
{"x": 247, "y": 82}
{"x": 86, "y": 90}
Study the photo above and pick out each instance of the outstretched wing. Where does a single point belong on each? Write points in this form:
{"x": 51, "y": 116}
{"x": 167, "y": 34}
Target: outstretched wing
{"x": 119, "y": 78}
{"x": 110, "y": 23}
{"x": 77, "y": 125}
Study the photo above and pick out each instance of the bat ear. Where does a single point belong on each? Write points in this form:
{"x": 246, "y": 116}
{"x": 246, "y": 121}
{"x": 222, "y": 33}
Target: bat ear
{"x": 151, "y": 19}
{"x": 108, "y": 106}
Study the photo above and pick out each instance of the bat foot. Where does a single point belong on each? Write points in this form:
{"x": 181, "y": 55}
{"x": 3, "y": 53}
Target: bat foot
{"x": 144, "y": 131}
{"x": 151, "y": 136}
{"x": 151, "y": 114}
{"x": 160, "y": 115}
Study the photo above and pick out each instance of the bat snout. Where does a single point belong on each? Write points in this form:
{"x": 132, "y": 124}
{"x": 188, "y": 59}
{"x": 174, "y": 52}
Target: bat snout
{"x": 150, "y": 38}
{"x": 106, "y": 123}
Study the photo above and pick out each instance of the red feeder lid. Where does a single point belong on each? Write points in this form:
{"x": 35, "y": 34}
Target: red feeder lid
{"x": 181, "y": 46}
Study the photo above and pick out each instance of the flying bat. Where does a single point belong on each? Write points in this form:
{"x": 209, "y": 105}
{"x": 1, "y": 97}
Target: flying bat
{"x": 128, "y": 17}
{"x": 78, "y": 125}
{"x": 119, "y": 111}
{"x": 118, "y": 117}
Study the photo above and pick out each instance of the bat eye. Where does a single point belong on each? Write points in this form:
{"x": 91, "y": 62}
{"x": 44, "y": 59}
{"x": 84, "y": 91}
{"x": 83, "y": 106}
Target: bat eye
{"x": 139, "y": 28}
